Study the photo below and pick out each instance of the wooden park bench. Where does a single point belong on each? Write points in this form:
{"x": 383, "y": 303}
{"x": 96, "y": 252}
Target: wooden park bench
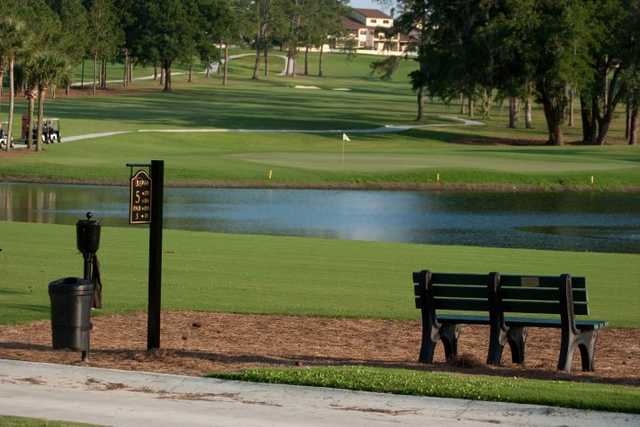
{"x": 493, "y": 295}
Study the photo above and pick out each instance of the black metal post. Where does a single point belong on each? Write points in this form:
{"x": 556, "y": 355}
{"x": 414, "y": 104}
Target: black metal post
{"x": 155, "y": 255}
{"x": 87, "y": 265}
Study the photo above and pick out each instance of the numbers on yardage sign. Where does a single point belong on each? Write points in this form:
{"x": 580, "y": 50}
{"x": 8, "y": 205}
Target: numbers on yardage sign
{"x": 140, "y": 198}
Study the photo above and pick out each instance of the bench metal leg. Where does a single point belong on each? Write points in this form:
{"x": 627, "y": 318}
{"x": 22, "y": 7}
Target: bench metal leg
{"x": 431, "y": 334}
{"x": 587, "y": 345}
{"x": 585, "y": 342}
{"x": 567, "y": 347}
{"x": 428, "y": 346}
{"x": 449, "y": 335}
{"x": 497, "y": 340}
{"x": 430, "y": 337}
{"x": 517, "y": 338}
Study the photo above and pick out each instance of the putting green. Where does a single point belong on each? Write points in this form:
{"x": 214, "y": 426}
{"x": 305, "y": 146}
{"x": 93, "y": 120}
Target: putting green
{"x": 385, "y": 162}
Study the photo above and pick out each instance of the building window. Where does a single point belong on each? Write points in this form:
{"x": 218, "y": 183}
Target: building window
{"x": 386, "y": 21}
{"x": 374, "y": 21}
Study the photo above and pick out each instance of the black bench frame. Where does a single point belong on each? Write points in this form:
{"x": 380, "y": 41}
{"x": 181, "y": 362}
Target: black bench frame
{"x": 498, "y": 295}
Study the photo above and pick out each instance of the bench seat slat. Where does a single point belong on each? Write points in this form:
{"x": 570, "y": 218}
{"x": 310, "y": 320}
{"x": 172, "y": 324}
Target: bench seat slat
{"x": 540, "y": 294}
{"x": 520, "y": 321}
{"x": 460, "y": 319}
{"x": 554, "y": 323}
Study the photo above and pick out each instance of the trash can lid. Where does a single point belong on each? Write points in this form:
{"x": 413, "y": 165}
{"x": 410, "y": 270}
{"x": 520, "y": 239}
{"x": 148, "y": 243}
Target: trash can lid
{"x": 69, "y": 285}
{"x": 89, "y": 221}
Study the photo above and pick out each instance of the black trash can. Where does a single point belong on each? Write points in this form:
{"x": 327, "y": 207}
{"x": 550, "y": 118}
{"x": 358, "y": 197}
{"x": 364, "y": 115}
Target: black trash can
{"x": 71, "y": 314}
{"x": 88, "y": 235}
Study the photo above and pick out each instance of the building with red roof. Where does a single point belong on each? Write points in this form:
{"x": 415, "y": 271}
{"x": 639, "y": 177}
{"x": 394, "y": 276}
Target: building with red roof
{"x": 373, "y": 30}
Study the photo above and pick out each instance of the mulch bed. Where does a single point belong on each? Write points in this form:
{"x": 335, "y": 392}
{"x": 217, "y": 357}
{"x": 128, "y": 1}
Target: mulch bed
{"x": 196, "y": 343}
{"x": 16, "y": 153}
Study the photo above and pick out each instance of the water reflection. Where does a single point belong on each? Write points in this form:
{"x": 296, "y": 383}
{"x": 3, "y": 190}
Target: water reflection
{"x": 572, "y": 221}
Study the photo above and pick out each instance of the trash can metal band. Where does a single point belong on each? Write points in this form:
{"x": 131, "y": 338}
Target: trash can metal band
{"x": 71, "y": 313}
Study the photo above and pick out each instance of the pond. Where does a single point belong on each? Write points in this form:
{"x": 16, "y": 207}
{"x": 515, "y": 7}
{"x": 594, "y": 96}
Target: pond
{"x": 603, "y": 222}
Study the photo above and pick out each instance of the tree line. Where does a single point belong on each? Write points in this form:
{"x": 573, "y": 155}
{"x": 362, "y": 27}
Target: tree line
{"x": 42, "y": 42}
{"x": 550, "y": 51}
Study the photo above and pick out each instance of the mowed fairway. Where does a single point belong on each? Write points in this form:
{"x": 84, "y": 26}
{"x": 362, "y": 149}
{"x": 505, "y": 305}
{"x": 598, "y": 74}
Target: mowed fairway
{"x": 459, "y": 154}
{"x": 283, "y": 275}
{"x": 408, "y": 159}
{"x": 363, "y": 162}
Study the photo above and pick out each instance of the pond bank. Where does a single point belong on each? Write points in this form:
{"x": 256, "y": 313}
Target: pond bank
{"x": 365, "y": 186}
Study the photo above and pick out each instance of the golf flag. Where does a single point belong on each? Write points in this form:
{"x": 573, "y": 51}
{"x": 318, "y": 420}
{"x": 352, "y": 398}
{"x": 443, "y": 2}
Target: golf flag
{"x": 345, "y": 138}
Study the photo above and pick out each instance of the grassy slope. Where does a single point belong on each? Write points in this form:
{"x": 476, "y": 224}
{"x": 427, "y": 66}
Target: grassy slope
{"x": 602, "y": 397}
{"x": 410, "y": 158}
{"x": 301, "y": 276}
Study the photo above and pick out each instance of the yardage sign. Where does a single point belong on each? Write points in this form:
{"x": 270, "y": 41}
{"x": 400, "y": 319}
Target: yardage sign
{"x": 140, "y": 198}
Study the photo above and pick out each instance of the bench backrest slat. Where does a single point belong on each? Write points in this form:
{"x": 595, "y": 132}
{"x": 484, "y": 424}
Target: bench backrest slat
{"x": 462, "y": 304}
{"x": 518, "y": 293}
{"x": 541, "y": 294}
{"x": 526, "y": 291}
{"x": 455, "y": 291}
{"x": 540, "y": 307}
{"x": 467, "y": 292}
{"x": 458, "y": 279}
{"x": 540, "y": 281}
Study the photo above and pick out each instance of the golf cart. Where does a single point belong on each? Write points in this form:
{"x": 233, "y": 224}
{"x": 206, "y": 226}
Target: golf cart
{"x": 50, "y": 131}
{"x": 3, "y": 137}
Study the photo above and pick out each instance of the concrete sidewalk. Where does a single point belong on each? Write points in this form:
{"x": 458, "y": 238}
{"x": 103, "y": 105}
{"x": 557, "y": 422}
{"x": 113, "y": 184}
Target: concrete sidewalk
{"x": 122, "y": 398}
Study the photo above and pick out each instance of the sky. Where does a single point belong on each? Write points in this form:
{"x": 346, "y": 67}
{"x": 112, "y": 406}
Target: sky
{"x": 369, "y": 4}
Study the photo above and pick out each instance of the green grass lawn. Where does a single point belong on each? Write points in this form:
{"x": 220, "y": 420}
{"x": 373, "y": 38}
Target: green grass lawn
{"x": 283, "y": 275}
{"x": 603, "y": 397}
{"x": 33, "y": 422}
{"x": 411, "y": 159}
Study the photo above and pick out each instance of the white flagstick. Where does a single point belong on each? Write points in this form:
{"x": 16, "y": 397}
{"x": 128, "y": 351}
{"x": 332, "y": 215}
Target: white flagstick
{"x": 345, "y": 138}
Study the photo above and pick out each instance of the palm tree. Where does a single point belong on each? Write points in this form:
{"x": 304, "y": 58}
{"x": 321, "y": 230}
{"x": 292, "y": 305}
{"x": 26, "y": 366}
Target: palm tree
{"x": 45, "y": 69}
{"x": 12, "y": 39}
{"x": 26, "y": 81}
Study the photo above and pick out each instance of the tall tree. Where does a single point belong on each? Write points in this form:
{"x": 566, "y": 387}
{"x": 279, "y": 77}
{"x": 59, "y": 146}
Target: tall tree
{"x": 43, "y": 34}
{"x": 74, "y": 38}
{"x": 294, "y": 13}
{"x": 632, "y": 72}
{"x": 45, "y": 68}
{"x": 270, "y": 21}
{"x": 613, "y": 55}
{"x": 12, "y": 40}
{"x": 105, "y": 36}
{"x": 414, "y": 17}
{"x": 320, "y": 21}
{"x": 165, "y": 31}
{"x": 557, "y": 33}
{"x": 331, "y": 17}
{"x": 234, "y": 25}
